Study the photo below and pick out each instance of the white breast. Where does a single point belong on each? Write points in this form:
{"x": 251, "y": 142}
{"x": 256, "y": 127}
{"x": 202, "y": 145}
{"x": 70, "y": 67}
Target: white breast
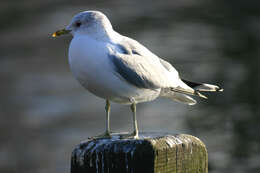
{"x": 90, "y": 65}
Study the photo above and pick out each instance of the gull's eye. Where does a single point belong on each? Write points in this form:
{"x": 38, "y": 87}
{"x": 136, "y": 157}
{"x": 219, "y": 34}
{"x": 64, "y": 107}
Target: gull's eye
{"x": 77, "y": 24}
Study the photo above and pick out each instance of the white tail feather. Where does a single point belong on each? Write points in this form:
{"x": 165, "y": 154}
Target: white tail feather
{"x": 178, "y": 97}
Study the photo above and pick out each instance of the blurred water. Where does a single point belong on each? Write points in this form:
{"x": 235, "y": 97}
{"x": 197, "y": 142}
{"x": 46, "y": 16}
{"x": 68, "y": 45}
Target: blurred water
{"x": 44, "y": 112}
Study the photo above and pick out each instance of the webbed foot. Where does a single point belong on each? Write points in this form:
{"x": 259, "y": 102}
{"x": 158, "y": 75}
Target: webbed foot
{"x": 133, "y": 135}
{"x": 101, "y": 136}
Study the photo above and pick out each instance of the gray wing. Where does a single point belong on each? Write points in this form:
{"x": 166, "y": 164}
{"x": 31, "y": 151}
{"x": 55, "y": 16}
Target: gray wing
{"x": 136, "y": 70}
{"x": 137, "y": 65}
{"x": 135, "y": 47}
{"x": 141, "y": 68}
{"x": 169, "y": 67}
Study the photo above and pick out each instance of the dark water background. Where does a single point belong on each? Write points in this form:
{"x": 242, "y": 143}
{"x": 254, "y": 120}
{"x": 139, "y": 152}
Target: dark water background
{"x": 44, "y": 112}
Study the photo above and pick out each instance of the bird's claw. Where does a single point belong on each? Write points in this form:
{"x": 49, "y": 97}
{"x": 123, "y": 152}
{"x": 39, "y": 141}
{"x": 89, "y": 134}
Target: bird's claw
{"x": 133, "y": 135}
{"x": 101, "y": 136}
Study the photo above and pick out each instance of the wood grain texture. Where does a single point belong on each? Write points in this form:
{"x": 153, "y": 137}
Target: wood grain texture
{"x": 152, "y": 153}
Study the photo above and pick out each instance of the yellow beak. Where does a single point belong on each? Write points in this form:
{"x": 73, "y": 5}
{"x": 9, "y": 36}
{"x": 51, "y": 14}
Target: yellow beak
{"x": 60, "y": 32}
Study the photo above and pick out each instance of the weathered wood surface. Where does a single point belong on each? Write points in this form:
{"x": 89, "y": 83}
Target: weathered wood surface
{"x": 152, "y": 153}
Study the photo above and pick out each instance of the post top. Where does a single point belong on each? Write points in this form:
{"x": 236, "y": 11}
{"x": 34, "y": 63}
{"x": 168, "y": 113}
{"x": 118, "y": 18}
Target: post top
{"x": 152, "y": 152}
{"x": 151, "y": 137}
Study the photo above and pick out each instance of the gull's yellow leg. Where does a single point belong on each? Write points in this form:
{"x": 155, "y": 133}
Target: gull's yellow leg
{"x": 107, "y": 108}
{"x": 134, "y": 134}
{"x": 107, "y": 133}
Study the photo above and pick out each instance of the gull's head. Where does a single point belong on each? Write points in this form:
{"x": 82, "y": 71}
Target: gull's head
{"x": 92, "y": 23}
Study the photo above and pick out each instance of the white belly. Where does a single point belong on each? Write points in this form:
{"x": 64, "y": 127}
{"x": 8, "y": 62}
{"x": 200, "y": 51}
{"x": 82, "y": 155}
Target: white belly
{"x": 95, "y": 72}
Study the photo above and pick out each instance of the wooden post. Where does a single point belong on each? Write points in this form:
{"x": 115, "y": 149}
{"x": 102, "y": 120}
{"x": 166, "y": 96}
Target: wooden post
{"x": 152, "y": 153}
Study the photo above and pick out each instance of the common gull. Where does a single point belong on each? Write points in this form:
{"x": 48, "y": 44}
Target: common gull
{"x": 120, "y": 69}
